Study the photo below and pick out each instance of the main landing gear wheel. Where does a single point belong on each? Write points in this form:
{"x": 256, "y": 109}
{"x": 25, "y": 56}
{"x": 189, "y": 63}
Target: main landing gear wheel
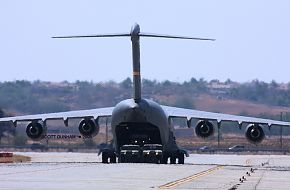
{"x": 113, "y": 159}
{"x": 108, "y": 157}
{"x": 176, "y": 157}
{"x": 172, "y": 160}
{"x": 181, "y": 158}
{"x": 105, "y": 157}
{"x": 164, "y": 159}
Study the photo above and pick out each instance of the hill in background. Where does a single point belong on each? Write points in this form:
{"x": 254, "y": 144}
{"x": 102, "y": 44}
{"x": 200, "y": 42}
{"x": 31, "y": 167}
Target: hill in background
{"x": 255, "y": 98}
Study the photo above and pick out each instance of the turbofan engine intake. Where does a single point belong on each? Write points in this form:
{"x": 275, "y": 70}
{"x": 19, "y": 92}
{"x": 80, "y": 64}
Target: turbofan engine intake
{"x": 88, "y": 128}
{"x": 254, "y": 133}
{"x": 204, "y": 129}
{"x": 36, "y": 131}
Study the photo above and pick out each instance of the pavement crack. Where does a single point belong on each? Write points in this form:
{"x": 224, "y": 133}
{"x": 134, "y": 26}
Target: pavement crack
{"x": 259, "y": 180}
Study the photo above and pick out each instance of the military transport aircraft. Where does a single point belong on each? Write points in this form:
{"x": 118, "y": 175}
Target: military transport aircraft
{"x": 139, "y": 120}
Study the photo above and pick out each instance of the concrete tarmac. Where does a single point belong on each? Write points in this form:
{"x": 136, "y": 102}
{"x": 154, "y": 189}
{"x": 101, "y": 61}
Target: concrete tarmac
{"x": 84, "y": 171}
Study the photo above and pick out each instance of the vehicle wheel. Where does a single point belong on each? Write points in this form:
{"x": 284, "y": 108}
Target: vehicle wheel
{"x": 181, "y": 158}
{"x": 172, "y": 160}
{"x": 105, "y": 157}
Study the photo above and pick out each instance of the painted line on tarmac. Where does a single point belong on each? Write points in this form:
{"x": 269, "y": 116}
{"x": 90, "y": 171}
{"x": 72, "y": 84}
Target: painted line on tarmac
{"x": 190, "y": 178}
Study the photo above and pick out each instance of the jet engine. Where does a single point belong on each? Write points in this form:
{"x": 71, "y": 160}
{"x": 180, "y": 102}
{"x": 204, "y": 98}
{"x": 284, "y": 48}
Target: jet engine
{"x": 36, "y": 131}
{"x": 88, "y": 128}
{"x": 204, "y": 129}
{"x": 254, "y": 133}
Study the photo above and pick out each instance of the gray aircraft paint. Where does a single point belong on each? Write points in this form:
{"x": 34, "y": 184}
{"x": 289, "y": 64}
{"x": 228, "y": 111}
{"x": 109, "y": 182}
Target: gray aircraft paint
{"x": 136, "y": 62}
{"x": 145, "y": 111}
{"x": 138, "y": 110}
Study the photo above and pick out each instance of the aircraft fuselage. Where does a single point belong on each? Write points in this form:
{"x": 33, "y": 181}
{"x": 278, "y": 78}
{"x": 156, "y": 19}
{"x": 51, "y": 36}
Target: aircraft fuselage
{"x": 142, "y": 122}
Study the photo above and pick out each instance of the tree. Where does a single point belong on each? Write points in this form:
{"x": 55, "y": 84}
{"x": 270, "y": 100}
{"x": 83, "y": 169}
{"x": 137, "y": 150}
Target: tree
{"x": 89, "y": 142}
{"x": 149, "y": 83}
{"x": 127, "y": 83}
{"x": 20, "y": 139}
{"x": 5, "y": 128}
{"x": 273, "y": 84}
{"x": 228, "y": 81}
{"x": 184, "y": 102}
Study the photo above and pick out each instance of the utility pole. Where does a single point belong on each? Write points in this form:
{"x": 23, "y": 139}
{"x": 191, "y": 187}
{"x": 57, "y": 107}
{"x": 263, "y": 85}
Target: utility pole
{"x": 107, "y": 131}
{"x": 281, "y": 132}
{"x": 219, "y": 127}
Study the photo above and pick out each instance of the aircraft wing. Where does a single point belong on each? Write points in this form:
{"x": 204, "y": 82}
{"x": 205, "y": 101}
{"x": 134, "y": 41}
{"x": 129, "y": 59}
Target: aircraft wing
{"x": 92, "y": 113}
{"x": 196, "y": 114}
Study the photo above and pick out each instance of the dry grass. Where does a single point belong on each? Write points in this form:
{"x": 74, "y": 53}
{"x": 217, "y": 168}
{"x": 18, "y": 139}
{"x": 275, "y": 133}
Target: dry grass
{"x": 207, "y": 102}
{"x": 20, "y": 158}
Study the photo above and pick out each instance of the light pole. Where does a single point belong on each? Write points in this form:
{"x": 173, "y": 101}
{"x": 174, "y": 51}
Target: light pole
{"x": 281, "y": 132}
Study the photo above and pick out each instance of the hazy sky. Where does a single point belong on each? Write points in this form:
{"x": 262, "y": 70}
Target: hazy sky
{"x": 253, "y": 40}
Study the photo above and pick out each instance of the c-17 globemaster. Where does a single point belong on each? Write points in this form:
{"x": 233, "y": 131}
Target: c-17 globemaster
{"x": 142, "y": 121}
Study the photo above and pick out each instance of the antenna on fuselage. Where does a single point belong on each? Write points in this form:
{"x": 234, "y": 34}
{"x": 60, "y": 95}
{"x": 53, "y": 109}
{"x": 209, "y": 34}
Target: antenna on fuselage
{"x": 135, "y": 36}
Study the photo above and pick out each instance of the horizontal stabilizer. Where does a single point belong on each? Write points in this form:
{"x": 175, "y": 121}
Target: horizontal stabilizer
{"x": 96, "y": 35}
{"x": 171, "y": 36}
{"x": 141, "y": 34}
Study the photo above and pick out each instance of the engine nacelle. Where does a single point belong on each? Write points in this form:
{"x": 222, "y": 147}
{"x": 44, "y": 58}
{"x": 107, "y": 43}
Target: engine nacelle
{"x": 255, "y": 133}
{"x": 204, "y": 129}
{"x": 36, "y": 131}
{"x": 88, "y": 128}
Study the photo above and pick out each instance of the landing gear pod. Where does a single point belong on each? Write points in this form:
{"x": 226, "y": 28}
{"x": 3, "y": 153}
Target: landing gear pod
{"x": 88, "y": 128}
{"x": 204, "y": 129}
{"x": 254, "y": 133}
{"x": 36, "y": 131}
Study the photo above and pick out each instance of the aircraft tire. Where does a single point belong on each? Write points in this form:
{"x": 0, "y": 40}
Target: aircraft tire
{"x": 113, "y": 159}
{"x": 172, "y": 160}
{"x": 130, "y": 160}
{"x": 145, "y": 159}
{"x": 121, "y": 159}
{"x": 181, "y": 158}
{"x": 105, "y": 157}
{"x": 158, "y": 160}
{"x": 164, "y": 159}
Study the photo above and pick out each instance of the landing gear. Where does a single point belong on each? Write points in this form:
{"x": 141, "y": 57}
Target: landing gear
{"x": 152, "y": 159}
{"x": 181, "y": 158}
{"x": 108, "y": 156}
{"x": 121, "y": 159}
{"x": 158, "y": 160}
{"x": 105, "y": 158}
{"x": 113, "y": 159}
{"x": 175, "y": 157}
{"x": 125, "y": 159}
{"x": 164, "y": 159}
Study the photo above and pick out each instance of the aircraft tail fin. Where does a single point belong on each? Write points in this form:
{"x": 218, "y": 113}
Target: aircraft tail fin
{"x": 135, "y": 34}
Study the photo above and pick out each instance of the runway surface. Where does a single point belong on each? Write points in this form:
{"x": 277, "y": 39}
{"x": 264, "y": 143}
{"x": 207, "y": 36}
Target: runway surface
{"x": 84, "y": 171}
